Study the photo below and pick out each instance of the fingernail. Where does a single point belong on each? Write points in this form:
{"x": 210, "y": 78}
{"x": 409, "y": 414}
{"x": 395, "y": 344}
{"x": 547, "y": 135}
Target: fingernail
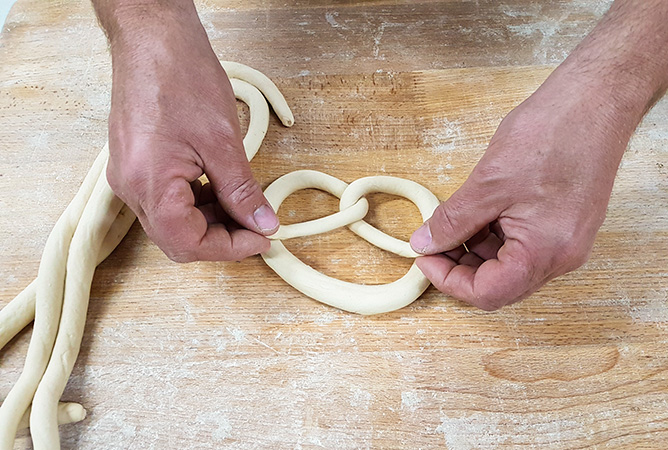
{"x": 265, "y": 218}
{"x": 421, "y": 239}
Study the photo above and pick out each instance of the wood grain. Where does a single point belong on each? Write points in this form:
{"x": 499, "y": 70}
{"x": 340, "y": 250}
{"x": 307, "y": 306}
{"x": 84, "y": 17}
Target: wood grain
{"x": 227, "y": 355}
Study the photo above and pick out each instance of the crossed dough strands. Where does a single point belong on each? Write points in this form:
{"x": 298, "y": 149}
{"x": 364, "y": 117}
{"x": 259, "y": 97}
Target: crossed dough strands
{"x": 50, "y": 290}
{"x": 96, "y": 221}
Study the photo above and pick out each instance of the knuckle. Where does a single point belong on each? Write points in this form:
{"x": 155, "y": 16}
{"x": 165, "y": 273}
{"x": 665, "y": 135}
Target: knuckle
{"x": 516, "y": 126}
{"x": 114, "y": 178}
{"x": 241, "y": 192}
{"x": 524, "y": 273}
{"x": 446, "y": 217}
{"x": 583, "y": 258}
{"x": 126, "y": 186}
{"x": 491, "y": 305}
{"x": 172, "y": 193}
{"x": 181, "y": 257}
{"x": 440, "y": 282}
{"x": 488, "y": 175}
{"x": 573, "y": 255}
{"x": 490, "y": 299}
{"x": 449, "y": 224}
{"x": 177, "y": 243}
{"x": 221, "y": 133}
{"x": 572, "y": 248}
{"x": 127, "y": 173}
{"x": 526, "y": 269}
{"x": 224, "y": 131}
{"x": 180, "y": 253}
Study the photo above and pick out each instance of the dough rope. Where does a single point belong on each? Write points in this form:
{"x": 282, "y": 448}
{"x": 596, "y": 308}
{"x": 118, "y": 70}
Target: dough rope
{"x": 259, "y": 115}
{"x": 361, "y": 299}
{"x": 19, "y": 312}
{"x": 295, "y": 181}
{"x": 48, "y": 303}
{"x": 262, "y": 82}
{"x": 96, "y": 221}
{"x": 67, "y": 413}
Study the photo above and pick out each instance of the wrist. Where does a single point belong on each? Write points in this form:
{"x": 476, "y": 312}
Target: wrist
{"x": 621, "y": 86}
{"x": 621, "y": 68}
{"x": 609, "y": 101}
{"x": 131, "y": 23}
{"x": 611, "y": 104}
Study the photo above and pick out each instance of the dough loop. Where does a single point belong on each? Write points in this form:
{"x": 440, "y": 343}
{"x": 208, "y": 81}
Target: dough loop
{"x": 358, "y": 298}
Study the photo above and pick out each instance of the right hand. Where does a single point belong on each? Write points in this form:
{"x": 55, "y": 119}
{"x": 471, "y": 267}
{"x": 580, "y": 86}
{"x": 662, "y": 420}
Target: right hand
{"x": 173, "y": 118}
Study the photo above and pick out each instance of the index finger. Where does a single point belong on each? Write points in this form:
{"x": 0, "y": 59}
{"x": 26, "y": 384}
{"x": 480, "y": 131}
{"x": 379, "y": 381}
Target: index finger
{"x": 511, "y": 277}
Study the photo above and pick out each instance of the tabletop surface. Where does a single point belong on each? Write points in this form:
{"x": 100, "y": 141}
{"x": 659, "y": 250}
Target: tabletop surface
{"x": 227, "y": 354}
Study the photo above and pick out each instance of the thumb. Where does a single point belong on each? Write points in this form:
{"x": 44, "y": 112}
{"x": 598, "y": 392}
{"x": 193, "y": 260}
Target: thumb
{"x": 239, "y": 194}
{"x": 455, "y": 221}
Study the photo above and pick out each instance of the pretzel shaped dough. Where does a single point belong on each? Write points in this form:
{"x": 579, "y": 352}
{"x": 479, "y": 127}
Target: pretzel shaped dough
{"x": 352, "y": 297}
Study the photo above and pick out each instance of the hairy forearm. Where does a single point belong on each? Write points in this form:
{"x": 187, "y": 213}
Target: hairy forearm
{"x": 130, "y": 19}
{"x": 622, "y": 63}
{"x": 148, "y": 37}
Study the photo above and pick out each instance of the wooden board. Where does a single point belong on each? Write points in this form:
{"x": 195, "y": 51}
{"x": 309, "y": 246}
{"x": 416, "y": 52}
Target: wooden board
{"x": 223, "y": 354}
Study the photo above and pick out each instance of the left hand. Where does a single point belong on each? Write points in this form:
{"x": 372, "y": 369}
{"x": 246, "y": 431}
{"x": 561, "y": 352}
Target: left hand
{"x": 531, "y": 208}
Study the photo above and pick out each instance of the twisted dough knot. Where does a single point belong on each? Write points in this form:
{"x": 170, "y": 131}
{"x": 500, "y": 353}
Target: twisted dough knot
{"x": 250, "y": 86}
{"x": 353, "y": 207}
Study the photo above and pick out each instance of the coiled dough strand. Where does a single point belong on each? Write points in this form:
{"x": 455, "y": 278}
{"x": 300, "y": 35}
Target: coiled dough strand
{"x": 357, "y": 298}
{"x": 265, "y": 85}
{"x": 291, "y": 182}
{"x": 259, "y": 115}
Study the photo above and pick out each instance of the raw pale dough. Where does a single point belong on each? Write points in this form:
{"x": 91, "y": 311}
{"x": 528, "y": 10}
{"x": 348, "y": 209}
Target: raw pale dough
{"x": 67, "y": 413}
{"x": 358, "y": 298}
{"x": 295, "y": 181}
{"x": 96, "y": 221}
{"x": 50, "y": 288}
{"x": 259, "y": 115}
{"x": 262, "y": 82}
{"x": 18, "y": 313}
